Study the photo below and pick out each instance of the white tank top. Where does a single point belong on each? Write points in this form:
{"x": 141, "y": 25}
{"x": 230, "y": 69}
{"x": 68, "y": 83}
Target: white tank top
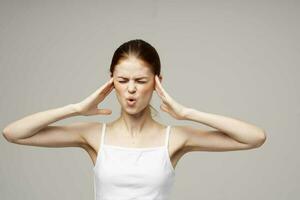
{"x": 124, "y": 173}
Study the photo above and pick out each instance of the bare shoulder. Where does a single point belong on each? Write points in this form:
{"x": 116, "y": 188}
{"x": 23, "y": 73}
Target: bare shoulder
{"x": 178, "y": 133}
{"x": 177, "y": 139}
{"x": 91, "y": 133}
{"x": 185, "y": 134}
{"x": 177, "y": 142}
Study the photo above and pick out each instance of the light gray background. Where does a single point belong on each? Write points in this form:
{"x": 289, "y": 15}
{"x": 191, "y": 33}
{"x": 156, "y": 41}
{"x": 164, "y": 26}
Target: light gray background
{"x": 234, "y": 58}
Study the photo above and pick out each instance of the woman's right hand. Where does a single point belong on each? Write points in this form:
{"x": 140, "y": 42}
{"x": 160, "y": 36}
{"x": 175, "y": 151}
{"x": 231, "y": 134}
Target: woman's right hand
{"x": 89, "y": 106}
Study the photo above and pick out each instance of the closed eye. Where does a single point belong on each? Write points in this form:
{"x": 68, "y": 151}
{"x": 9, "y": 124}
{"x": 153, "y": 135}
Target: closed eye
{"x": 137, "y": 81}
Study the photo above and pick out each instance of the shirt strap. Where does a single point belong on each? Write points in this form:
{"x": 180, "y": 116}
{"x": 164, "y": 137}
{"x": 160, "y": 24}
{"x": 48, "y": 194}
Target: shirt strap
{"x": 167, "y": 135}
{"x": 103, "y": 133}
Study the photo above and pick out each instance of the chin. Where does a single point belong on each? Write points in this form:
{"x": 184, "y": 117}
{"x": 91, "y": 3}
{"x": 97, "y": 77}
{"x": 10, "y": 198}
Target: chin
{"x": 133, "y": 110}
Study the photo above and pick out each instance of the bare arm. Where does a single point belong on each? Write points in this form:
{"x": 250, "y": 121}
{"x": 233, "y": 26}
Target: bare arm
{"x": 238, "y": 130}
{"x": 232, "y": 134}
{"x": 38, "y": 122}
{"x": 35, "y": 129}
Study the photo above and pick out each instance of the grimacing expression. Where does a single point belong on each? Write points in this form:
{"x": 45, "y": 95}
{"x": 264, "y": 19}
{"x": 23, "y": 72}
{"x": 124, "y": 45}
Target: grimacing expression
{"x": 133, "y": 78}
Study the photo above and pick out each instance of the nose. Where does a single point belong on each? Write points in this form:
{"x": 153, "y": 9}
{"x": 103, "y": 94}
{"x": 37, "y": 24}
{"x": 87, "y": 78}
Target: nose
{"x": 131, "y": 87}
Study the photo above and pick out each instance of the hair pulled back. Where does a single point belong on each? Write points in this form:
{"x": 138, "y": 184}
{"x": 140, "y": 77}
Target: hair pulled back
{"x": 139, "y": 49}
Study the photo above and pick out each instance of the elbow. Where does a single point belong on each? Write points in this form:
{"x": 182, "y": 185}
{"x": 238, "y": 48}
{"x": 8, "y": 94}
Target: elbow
{"x": 261, "y": 139}
{"x": 5, "y": 134}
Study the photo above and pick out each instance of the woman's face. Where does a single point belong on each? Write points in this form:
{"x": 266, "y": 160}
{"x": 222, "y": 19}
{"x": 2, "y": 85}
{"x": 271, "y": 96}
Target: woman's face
{"x": 133, "y": 79}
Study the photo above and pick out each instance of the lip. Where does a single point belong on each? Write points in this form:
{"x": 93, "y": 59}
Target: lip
{"x": 133, "y": 98}
{"x": 131, "y": 103}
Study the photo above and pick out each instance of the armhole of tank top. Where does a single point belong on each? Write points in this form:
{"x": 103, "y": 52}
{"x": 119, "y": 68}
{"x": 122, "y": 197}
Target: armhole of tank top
{"x": 102, "y": 131}
{"x": 167, "y": 148}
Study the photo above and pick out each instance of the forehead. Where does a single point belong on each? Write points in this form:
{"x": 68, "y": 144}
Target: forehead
{"x": 132, "y": 67}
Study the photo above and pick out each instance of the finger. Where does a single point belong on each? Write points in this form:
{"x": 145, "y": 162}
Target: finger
{"x": 159, "y": 89}
{"x": 160, "y": 86}
{"x": 103, "y": 95}
{"x": 108, "y": 91}
{"x": 163, "y": 91}
{"x": 160, "y": 93}
{"x": 163, "y": 107}
{"x": 109, "y": 84}
{"x": 106, "y": 87}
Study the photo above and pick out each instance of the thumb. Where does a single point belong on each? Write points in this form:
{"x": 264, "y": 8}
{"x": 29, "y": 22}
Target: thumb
{"x": 163, "y": 107}
{"x": 104, "y": 111}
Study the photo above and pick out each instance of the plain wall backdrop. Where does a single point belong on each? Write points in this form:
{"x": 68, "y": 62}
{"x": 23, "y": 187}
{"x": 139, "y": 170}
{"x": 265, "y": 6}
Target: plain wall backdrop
{"x": 233, "y": 58}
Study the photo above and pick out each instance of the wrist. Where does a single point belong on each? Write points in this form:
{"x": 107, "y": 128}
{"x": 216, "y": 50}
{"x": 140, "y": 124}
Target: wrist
{"x": 187, "y": 113}
{"x": 72, "y": 109}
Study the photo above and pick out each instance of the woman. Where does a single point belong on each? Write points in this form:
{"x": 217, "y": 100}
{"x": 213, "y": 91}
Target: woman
{"x": 134, "y": 156}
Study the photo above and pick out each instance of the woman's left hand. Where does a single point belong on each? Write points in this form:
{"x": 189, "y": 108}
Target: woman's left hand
{"x": 169, "y": 105}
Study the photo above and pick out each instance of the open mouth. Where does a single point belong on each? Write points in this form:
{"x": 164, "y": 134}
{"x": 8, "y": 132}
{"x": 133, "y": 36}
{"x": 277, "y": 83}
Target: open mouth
{"x": 131, "y": 101}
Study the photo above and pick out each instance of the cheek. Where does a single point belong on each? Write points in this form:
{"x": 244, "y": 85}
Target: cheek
{"x": 146, "y": 90}
{"x": 119, "y": 88}
{"x": 146, "y": 94}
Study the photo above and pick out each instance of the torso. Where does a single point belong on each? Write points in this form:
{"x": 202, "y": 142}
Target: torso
{"x": 151, "y": 139}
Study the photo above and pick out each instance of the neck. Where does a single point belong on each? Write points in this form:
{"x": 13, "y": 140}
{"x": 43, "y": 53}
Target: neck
{"x": 135, "y": 124}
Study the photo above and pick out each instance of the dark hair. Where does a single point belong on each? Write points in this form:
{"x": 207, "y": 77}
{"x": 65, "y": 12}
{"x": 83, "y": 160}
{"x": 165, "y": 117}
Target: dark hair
{"x": 141, "y": 50}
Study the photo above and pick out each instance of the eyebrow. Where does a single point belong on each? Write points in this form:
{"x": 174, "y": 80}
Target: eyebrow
{"x": 136, "y": 78}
